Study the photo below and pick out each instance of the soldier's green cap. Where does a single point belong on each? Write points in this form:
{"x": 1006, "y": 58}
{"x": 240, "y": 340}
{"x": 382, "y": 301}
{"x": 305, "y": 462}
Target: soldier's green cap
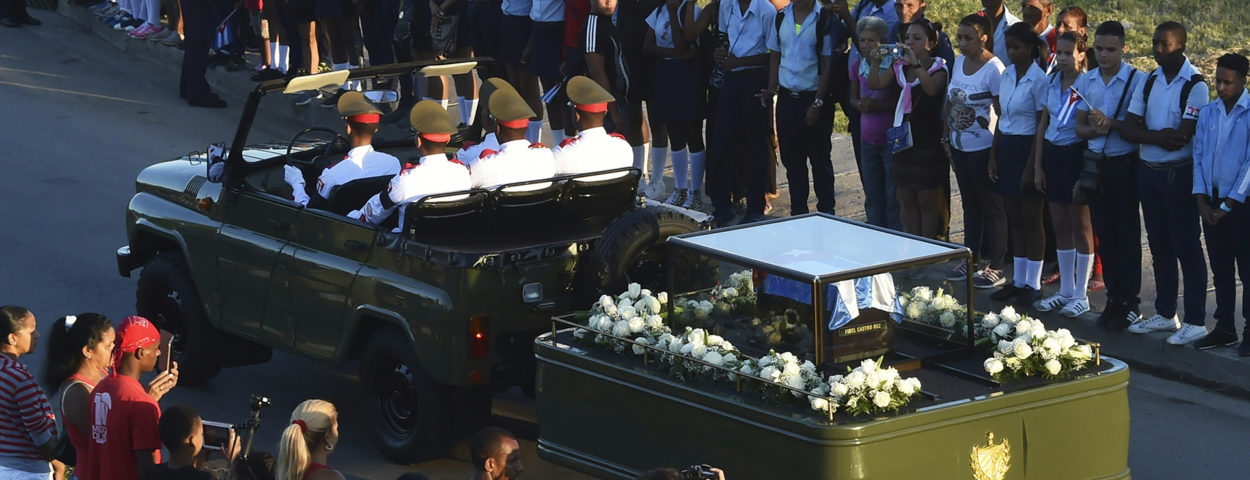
{"x": 587, "y": 95}
{"x": 432, "y": 121}
{"x": 354, "y": 107}
{"x": 491, "y": 85}
{"x": 509, "y": 109}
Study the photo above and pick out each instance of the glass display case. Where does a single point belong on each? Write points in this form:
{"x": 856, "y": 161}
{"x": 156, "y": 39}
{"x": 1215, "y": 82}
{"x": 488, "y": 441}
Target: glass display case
{"x": 828, "y": 289}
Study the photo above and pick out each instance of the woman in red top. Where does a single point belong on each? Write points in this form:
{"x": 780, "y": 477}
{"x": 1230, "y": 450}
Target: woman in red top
{"x": 307, "y": 442}
{"x": 79, "y": 351}
{"x": 27, "y": 430}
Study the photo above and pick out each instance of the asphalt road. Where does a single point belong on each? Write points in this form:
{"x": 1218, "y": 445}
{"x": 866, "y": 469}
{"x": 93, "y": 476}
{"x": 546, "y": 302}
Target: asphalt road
{"x": 81, "y": 119}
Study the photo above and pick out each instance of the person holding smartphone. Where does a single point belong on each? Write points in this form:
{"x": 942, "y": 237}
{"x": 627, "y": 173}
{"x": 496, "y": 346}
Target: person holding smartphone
{"x": 125, "y": 415}
{"x": 183, "y": 434}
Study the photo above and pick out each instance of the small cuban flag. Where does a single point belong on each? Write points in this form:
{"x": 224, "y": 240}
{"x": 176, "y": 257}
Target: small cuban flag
{"x": 1069, "y": 106}
{"x": 551, "y": 94}
{"x": 223, "y": 35}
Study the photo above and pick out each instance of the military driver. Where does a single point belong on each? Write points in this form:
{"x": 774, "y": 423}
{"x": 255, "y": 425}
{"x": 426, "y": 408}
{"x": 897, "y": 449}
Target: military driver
{"x": 432, "y": 173}
{"x": 361, "y": 161}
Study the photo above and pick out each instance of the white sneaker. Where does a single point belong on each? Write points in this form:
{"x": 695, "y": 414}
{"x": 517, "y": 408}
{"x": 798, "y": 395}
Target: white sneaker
{"x": 1075, "y": 308}
{"x": 1156, "y": 323}
{"x": 655, "y": 189}
{"x": 677, "y": 198}
{"x": 1187, "y": 334}
{"x": 1052, "y": 302}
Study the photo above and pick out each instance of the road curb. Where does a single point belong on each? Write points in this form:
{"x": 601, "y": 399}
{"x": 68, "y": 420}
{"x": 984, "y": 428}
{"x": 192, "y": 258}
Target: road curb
{"x": 232, "y": 86}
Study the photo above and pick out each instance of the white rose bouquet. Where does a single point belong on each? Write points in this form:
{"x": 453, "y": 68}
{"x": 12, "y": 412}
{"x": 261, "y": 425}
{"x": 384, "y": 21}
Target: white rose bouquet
{"x": 937, "y": 308}
{"x": 871, "y": 389}
{"x": 1025, "y": 348}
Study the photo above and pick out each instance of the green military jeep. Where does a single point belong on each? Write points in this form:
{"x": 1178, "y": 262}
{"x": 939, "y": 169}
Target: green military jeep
{"x": 442, "y": 303}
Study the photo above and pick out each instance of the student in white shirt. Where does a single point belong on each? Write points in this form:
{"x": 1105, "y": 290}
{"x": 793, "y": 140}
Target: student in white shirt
{"x": 1113, "y": 204}
{"x": 1000, "y": 18}
{"x": 971, "y": 117}
{"x": 800, "y": 48}
{"x": 739, "y": 142}
{"x": 1059, "y": 154}
{"x": 1020, "y": 91}
{"x": 1162, "y": 117}
{"x": 1221, "y": 183}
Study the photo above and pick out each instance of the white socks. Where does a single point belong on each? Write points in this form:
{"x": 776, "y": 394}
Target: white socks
{"x": 284, "y": 58}
{"x": 273, "y": 55}
{"x": 1018, "y": 270}
{"x": 468, "y": 110}
{"x": 640, "y": 157}
{"x": 1067, "y": 268}
{"x": 1033, "y": 274}
{"x": 1084, "y": 265}
{"x": 557, "y": 137}
{"x": 659, "y": 160}
{"x": 681, "y": 168}
{"x": 535, "y": 131}
{"x": 697, "y": 162}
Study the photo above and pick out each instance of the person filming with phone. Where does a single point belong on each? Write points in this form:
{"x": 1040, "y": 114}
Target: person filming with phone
{"x": 125, "y": 443}
{"x": 189, "y": 439}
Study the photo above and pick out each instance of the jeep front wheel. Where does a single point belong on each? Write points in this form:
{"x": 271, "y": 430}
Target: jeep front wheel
{"x": 407, "y": 409}
{"x": 166, "y": 296}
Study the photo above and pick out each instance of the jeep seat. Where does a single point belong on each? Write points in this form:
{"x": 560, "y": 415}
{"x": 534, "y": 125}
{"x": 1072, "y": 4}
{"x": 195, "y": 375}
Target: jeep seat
{"x": 599, "y": 197}
{"x": 352, "y": 195}
{"x": 520, "y": 206}
{"x": 447, "y": 213}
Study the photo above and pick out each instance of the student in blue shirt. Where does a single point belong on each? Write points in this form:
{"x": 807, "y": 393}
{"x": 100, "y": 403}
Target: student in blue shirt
{"x": 1059, "y": 154}
{"x": 1221, "y": 183}
{"x": 739, "y": 140}
{"x": 799, "y": 78}
{"x": 1020, "y": 91}
{"x": 1162, "y": 118}
{"x": 1113, "y": 201}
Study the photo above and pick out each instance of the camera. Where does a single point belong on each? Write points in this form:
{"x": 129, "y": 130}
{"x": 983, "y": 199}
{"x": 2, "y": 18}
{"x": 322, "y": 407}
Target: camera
{"x": 699, "y": 472}
{"x": 258, "y": 402}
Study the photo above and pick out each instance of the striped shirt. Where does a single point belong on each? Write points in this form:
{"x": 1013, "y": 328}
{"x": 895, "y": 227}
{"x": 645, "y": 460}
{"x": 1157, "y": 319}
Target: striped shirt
{"x": 26, "y": 419}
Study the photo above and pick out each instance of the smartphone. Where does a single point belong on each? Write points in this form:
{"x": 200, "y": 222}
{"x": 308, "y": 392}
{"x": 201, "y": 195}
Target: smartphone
{"x": 216, "y": 434}
{"x": 165, "y": 358}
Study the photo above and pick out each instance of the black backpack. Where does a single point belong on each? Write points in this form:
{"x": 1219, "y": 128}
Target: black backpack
{"x": 822, "y": 29}
{"x": 1185, "y": 90}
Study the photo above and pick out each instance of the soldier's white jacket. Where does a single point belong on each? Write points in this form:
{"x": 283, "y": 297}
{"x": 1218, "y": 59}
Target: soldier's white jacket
{"x": 516, "y": 161}
{"x": 593, "y": 150}
{"x": 360, "y": 162}
{"x": 430, "y": 175}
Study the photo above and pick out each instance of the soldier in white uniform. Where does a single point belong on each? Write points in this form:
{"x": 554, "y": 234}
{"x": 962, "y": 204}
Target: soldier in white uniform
{"x": 517, "y": 160}
{"x": 361, "y": 161}
{"x": 470, "y": 151}
{"x": 593, "y": 149}
{"x": 431, "y": 174}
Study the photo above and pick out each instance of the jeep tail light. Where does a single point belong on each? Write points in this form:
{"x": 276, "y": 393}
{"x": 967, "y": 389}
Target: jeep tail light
{"x": 479, "y": 340}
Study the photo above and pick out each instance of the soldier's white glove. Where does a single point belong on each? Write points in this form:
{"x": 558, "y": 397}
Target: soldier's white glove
{"x": 295, "y": 178}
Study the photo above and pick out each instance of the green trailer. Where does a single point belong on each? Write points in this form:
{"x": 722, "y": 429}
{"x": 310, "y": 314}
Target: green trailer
{"x": 614, "y": 414}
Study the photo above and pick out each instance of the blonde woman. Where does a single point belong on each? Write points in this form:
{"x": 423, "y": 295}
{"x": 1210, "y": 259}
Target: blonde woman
{"x": 307, "y": 442}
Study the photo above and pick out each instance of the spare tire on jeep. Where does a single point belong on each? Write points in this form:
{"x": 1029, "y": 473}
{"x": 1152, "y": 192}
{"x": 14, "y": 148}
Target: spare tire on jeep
{"x": 632, "y": 249}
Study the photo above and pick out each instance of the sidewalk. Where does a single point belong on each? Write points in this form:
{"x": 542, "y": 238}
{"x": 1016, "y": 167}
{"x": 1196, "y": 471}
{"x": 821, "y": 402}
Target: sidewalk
{"x": 1220, "y": 369}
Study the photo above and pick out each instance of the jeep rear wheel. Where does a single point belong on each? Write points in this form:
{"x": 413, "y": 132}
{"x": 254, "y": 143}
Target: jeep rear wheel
{"x": 408, "y": 415}
{"x": 633, "y": 249}
{"x": 167, "y": 297}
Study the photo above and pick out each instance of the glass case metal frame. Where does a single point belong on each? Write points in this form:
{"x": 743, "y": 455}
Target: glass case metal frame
{"x": 818, "y": 281}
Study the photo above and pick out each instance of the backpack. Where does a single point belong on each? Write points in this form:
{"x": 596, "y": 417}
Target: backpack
{"x": 1189, "y": 86}
{"x": 822, "y": 29}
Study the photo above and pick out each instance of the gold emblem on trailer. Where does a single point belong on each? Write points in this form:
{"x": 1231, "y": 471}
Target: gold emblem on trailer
{"x": 992, "y": 460}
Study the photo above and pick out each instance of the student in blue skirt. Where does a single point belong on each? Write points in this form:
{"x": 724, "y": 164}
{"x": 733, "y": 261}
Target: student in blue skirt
{"x": 679, "y": 100}
{"x": 1060, "y": 153}
{"x": 1011, "y": 157}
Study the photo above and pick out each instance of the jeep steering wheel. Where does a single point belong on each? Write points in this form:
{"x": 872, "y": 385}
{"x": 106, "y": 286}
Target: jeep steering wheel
{"x": 338, "y": 138}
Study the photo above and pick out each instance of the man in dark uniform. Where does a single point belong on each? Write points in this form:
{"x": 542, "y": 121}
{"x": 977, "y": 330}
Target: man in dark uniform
{"x": 197, "y": 21}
